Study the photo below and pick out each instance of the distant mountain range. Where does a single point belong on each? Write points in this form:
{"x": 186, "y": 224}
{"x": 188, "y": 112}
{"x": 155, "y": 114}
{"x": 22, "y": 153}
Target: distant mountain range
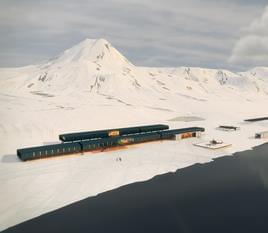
{"x": 95, "y": 67}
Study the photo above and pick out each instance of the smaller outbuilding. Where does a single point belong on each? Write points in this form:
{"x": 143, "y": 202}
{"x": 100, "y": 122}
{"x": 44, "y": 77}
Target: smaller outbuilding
{"x": 228, "y": 128}
{"x": 257, "y": 119}
{"x": 263, "y": 134}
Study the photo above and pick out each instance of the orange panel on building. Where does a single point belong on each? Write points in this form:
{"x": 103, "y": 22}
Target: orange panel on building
{"x": 187, "y": 135}
{"x": 113, "y": 133}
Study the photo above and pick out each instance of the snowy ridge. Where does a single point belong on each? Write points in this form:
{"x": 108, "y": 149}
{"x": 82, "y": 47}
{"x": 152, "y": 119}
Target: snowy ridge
{"x": 92, "y": 51}
{"x": 95, "y": 66}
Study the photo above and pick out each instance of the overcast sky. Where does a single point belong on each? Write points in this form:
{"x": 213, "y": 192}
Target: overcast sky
{"x": 230, "y": 34}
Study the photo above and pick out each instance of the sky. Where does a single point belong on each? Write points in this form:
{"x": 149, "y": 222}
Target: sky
{"x": 229, "y": 34}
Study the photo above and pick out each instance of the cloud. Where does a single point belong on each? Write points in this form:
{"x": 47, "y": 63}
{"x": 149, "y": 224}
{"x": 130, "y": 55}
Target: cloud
{"x": 147, "y": 32}
{"x": 252, "y": 48}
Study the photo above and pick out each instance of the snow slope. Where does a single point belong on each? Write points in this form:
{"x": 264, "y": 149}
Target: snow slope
{"x": 92, "y": 86}
{"x": 96, "y": 67}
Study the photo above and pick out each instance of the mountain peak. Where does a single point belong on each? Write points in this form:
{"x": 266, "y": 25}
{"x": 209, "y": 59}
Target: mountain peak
{"x": 90, "y": 43}
{"x": 93, "y": 50}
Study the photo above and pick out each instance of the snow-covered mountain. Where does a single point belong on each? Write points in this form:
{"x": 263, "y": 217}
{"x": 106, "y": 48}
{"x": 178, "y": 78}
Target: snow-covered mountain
{"x": 95, "y": 67}
{"x": 92, "y": 86}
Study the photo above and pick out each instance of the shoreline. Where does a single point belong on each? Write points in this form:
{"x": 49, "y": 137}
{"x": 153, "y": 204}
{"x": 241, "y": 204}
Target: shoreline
{"x": 229, "y": 193}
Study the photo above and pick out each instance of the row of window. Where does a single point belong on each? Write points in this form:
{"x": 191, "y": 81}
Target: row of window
{"x": 113, "y": 143}
{"x": 54, "y": 151}
{"x": 90, "y": 146}
{"x": 146, "y": 138}
{"x": 98, "y": 145}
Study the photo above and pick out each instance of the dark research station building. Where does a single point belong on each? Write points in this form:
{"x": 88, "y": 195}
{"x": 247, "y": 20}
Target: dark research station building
{"x": 101, "y": 139}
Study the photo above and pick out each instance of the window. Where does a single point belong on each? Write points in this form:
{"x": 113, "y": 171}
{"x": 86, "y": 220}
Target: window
{"x": 33, "y": 154}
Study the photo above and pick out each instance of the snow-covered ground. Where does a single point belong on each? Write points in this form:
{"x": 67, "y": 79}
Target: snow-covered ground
{"x": 92, "y": 86}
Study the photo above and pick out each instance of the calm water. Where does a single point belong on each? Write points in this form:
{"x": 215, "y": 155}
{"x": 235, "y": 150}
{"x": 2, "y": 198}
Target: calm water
{"x": 227, "y": 195}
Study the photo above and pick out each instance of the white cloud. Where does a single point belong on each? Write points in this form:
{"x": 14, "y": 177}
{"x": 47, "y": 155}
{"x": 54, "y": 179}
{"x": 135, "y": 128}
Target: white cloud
{"x": 252, "y": 48}
{"x": 260, "y": 25}
{"x": 147, "y": 32}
